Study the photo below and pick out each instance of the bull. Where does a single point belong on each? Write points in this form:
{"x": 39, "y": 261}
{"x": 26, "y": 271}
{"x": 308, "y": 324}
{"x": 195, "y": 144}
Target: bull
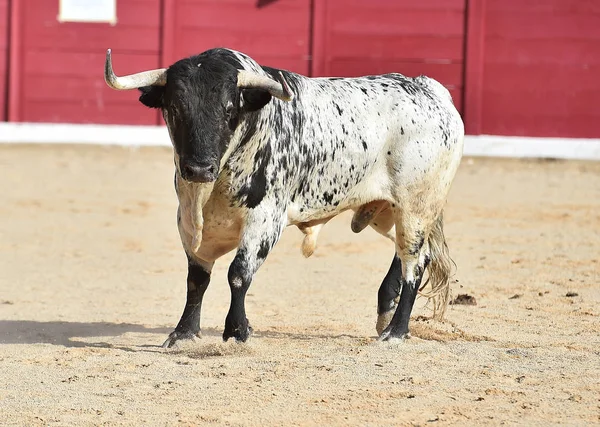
{"x": 257, "y": 149}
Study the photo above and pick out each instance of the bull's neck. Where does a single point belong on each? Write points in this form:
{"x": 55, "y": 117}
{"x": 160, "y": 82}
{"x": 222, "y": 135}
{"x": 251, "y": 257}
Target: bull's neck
{"x": 252, "y": 133}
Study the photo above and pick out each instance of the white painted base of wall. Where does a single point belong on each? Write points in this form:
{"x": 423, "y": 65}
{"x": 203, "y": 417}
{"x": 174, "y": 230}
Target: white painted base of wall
{"x": 66, "y": 133}
{"x": 481, "y": 145}
{"x": 523, "y": 146}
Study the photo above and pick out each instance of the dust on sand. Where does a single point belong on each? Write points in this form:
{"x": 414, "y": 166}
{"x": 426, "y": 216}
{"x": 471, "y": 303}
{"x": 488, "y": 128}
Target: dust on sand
{"x": 93, "y": 280}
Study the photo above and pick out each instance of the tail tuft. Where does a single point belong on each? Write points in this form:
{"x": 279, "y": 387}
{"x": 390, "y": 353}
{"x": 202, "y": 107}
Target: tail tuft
{"x": 439, "y": 270}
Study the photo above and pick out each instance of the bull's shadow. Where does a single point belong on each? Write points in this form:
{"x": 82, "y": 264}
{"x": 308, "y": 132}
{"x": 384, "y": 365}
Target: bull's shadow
{"x": 66, "y": 333}
{"x": 63, "y": 333}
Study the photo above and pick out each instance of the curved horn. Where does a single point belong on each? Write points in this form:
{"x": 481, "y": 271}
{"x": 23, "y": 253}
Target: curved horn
{"x": 248, "y": 80}
{"x": 133, "y": 81}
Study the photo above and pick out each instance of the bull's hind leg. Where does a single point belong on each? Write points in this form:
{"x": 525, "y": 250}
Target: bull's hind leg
{"x": 412, "y": 232}
{"x": 387, "y": 297}
{"x": 379, "y": 215}
{"x": 198, "y": 279}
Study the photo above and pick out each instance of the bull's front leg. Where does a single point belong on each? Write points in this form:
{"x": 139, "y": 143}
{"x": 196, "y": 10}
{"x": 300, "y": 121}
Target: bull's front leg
{"x": 198, "y": 279}
{"x": 261, "y": 232}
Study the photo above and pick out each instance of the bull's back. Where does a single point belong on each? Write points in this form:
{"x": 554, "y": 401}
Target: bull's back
{"x": 389, "y": 120}
{"x": 354, "y": 139}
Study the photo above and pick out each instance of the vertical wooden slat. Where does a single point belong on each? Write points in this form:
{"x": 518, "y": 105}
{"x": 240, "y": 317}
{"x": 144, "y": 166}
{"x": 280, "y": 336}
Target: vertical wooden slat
{"x": 4, "y": 50}
{"x": 474, "y": 55}
{"x": 167, "y": 37}
{"x": 14, "y": 65}
{"x": 168, "y": 27}
{"x": 318, "y": 27}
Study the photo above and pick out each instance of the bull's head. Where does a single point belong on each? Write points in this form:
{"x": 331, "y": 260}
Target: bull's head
{"x": 203, "y": 100}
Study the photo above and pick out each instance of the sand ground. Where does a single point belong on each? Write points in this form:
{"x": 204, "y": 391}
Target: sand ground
{"x": 92, "y": 281}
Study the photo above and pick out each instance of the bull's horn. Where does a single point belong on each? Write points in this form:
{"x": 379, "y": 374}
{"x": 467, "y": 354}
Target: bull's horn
{"x": 281, "y": 90}
{"x": 133, "y": 81}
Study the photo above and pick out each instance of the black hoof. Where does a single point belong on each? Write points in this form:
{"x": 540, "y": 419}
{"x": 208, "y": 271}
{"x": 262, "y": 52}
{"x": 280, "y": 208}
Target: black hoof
{"x": 392, "y": 336}
{"x": 383, "y": 321}
{"x": 176, "y": 336}
{"x": 241, "y": 332}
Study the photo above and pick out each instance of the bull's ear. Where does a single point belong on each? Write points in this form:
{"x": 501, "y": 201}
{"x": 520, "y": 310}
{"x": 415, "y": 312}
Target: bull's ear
{"x": 152, "y": 96}
{"x": 254, "y": 99}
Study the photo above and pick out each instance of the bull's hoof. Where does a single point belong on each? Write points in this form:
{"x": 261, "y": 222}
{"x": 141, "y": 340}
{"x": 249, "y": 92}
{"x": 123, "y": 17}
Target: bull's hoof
{"x": 383, "y": 321}
{"x": 393, "y": 337}
{"x": 241, "y": 332}
{"x": 176, "y": 336}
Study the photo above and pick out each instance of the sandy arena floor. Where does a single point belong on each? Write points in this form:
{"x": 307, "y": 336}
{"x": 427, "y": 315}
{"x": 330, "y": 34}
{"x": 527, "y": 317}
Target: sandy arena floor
{"x": 92, "y": 281}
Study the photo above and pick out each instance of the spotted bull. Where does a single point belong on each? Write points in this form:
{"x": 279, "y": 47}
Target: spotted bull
{"x": 258, "y": 149}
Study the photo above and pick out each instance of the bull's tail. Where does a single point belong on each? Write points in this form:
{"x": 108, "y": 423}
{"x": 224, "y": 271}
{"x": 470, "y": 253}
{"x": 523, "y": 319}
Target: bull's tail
{"x": 439, "y": 270}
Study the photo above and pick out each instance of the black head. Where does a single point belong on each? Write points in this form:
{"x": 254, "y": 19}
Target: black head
{"x": 202, "y": 107}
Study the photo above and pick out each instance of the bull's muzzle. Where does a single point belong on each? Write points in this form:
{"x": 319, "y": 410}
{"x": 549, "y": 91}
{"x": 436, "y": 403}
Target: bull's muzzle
{"x": 199, "y": 173}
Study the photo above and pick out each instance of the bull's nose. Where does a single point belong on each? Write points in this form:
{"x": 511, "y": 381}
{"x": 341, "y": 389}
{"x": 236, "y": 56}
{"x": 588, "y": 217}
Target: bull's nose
{"x": 198, "y": 173}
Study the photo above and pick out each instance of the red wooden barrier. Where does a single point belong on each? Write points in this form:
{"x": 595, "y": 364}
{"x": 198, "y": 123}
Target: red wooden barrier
{"x": 274, "y": 32}
{"x": 474, "y": 51}
{"x": 4, "y": 16}
{"x": 56, "y": 68}
{"x": 540, "y": 68}
{"x": 357, "y": 37}
{"x": 525, "y": 67}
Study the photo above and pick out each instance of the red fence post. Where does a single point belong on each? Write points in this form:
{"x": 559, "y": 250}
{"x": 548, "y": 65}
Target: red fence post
{"x": 474, "y": 55}
{"x": 14, "y": 62}
{"x": 167, "y": 36}
{"x": 318, "y": 30}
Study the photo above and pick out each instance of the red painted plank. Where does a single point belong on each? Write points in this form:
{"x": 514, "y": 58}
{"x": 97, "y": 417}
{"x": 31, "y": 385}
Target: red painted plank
{"x": 569, "y": 76}
{"x": 366, "y": 21}
{"x": 542, "y": 51}
{"x": 381, "y": 47}
{"x": 14, "y": 66}
{"x": 253, "y": 44}
{"x": 3, "y": 56}
{"x": 68, "y": 64}
{"x": 319, "y": 38}
{"x": 457, "y": 97}
{"x": 88, "y": 112}
{"x": 52, "y": 92}
{"x": 73, "y": 39}
{"x": 167, "y": 42}
{"x": 57, "y": 74}
{"x": 3, "y": 23}
{"x": 44, "y": 13}
{"x": 167, "y": 47}
{"x": 537, "y": 25}
{"x": 387, "y": 5}
{"x": 540, "y": 70}
{"x": 277, "y": 18}
{"x": 354, "y": 37}
{"x": 134, "y": 31}
{"x": 276, "y": 34}
{"x": 474, "y": 60}
{"x": 544, "y": 6}
{"x": 542, "y": 126}
{"x": 84, "y": 88}
{"x": 554, "y": 101}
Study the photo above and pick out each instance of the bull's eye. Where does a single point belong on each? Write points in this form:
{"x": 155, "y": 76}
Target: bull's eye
{"x": 229, "y": 109}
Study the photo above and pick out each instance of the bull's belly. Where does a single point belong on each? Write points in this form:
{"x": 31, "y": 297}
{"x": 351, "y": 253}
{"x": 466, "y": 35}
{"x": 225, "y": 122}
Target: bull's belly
{"x": 373, "y": 187}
